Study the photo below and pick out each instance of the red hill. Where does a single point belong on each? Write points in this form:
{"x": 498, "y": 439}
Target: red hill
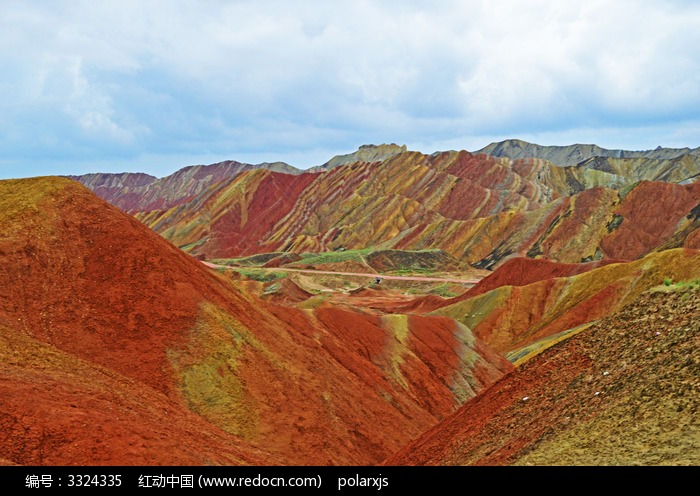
{"x": 129, "y": 332}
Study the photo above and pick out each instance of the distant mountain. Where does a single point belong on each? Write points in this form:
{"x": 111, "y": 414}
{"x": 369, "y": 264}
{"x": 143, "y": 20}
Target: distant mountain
{"x": 366, "y": 153}
{"x": 480, "y": 209}
{"x": 138, "y": 192}
{"x": 575, "y": 154}
{"x": 365, "y": 203}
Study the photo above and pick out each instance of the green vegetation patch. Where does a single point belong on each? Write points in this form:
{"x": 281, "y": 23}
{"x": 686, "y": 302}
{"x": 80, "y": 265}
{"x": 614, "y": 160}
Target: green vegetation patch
{"x": 669, "y": 286}
{"x": 397, "y": 348}
{"x": 312, "y": 303}
{"x": 272, "y": 288}
{"x": 208, "y": 371}
{"x": 472, "y": 311}
{"x": 520, "y": 355}
{"x": 415, "y": 271}
{"x": 334, "y": 257}
{"x": 615, "y": 222}
{"x": 445, "y": 290}
{"x": 394, "y": 262}
{"x": 190, "y": 246}
{"x": 261, "y": 275}
{"x": 251, "y": 261}
{"x": 463, "y": 384}
{"x": 403, "y": 262}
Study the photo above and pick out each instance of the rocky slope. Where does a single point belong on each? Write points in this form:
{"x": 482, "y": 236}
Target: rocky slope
{"x": 577, "y": 153}
{"x": 366, "y": 153}
{"x": 622, "y": 392}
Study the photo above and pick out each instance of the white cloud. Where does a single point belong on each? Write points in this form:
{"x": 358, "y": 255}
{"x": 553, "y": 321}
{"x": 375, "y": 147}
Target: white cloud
{"x": 144, "y": 77}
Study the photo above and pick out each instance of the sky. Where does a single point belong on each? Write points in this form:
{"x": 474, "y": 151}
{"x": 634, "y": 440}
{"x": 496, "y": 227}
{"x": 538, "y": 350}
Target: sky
{"x": 156, "y": 85}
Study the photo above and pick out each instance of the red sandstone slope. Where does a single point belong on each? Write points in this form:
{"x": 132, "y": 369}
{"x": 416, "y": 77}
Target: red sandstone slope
{"x": 652, "y": 213}
{"x": 60, "y": 410}
{"x": 519, "y": 271}
{"x": 232, "y": 217}
{"x": 102, "y": 295}
{"x": 90, "y": 280}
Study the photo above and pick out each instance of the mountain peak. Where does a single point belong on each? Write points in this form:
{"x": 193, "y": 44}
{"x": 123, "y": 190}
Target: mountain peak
{"x": 568, "y": 155}
{"x": 366, "y": 153}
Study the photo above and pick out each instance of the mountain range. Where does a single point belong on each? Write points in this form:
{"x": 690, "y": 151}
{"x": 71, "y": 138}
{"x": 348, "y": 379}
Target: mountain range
{"x": 478, "y": 208}
{"x": 519, "y": 304}
{"x": 576, "y": 154}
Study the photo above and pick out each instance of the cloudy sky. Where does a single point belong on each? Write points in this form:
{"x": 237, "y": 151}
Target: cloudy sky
{"x": 153, "y": 86}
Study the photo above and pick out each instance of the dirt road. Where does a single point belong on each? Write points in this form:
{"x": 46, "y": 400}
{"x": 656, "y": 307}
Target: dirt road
{"x": 358, "y": 274}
